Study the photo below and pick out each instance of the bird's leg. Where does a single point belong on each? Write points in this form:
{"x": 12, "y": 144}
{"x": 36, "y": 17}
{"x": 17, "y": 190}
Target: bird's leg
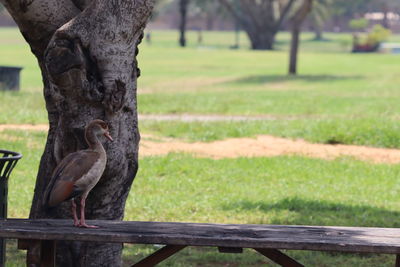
{"x": 73, "y": 208}
{"x": 83, "y": 221}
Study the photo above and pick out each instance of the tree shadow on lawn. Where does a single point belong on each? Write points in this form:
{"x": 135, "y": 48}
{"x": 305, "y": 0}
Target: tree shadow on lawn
{"x": 261, "y": 79}
{"x": 286, "y": 42}
{"x": 298, "y": 211}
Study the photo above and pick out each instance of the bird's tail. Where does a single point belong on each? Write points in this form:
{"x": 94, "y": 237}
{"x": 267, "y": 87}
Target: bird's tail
{"x": 45, "y": 200}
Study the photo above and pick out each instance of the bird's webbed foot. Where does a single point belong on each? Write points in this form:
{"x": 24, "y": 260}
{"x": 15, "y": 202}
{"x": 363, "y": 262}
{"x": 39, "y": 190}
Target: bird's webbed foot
{"x": 84, "y": 225}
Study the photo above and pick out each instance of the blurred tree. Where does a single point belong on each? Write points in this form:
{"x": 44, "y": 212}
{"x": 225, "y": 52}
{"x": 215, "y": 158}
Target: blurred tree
{"x": 210, "y": 9}
{"x": 260, "y": 19}
{"x": 358, "y": 24}
{"x": 384, "y": 6}
{"x": 172, "y": 8}
{"x": 350, "y": 8}
{"x": 183, "y": 7}
{"x": 303, "y": 9}
{"x": 160, "y": 7}
{"x": 320, "y": 13}
{"x": 213, "y": 12}
{"x": 344, "y": 10}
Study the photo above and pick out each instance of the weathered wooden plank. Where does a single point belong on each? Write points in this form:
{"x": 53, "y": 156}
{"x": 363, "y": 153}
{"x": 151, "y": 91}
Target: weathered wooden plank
{"x": 349, "y": 239}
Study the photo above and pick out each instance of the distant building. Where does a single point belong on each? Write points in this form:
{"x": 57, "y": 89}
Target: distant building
{"x": 390, "y": 19}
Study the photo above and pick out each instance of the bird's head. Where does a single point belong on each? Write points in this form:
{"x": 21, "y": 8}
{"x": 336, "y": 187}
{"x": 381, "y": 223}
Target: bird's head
{"x": 99, "y": 127}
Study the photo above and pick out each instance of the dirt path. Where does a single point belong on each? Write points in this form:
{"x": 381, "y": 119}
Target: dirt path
{"x": 262, "y": 145}
{"x": 269, "y": 146}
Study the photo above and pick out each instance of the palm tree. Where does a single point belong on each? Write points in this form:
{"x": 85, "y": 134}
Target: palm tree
{"x": 320, "y": 13}
{"x": 295, "y": 24}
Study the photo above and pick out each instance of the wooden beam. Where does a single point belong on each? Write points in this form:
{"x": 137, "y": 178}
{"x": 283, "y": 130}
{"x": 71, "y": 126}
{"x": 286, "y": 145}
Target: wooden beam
{"x": 397, "y": 260}
{"x": 2, "y": 252}
{"x": 40, "y": 253}
{"x": 3, "y": 213}
{"x": 48, "y": 253}
{"x": 159, "y": 256}
{"x": 279, "y": 257}
{"x": 33, "y": 254}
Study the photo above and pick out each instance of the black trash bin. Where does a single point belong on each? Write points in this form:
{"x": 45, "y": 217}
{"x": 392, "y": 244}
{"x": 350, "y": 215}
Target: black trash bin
{"x": 9, "y": 78}
{"x": 8, "y": 160}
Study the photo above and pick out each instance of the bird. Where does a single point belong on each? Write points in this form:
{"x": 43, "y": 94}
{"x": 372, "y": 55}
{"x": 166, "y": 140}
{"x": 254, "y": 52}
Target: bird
{"x": 77, "y": 173}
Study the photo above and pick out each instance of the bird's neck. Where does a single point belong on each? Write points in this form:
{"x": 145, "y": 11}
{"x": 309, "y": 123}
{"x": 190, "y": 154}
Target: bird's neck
{"x": 93, "y": 141}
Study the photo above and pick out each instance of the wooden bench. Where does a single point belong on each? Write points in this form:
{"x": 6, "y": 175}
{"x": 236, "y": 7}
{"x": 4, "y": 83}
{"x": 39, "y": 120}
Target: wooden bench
{"x": 40, "y": 236}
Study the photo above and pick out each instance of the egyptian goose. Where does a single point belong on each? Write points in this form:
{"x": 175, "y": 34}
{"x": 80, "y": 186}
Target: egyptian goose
{"x": 79, "y": 172}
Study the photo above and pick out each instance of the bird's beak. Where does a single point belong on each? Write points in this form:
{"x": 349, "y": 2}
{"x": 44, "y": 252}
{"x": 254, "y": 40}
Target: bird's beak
{"x": 108, "y": 136}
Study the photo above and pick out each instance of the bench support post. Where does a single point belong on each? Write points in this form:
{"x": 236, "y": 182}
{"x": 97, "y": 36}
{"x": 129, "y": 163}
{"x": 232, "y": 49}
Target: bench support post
{"x": 3, "y": 214}
{"x": 397, "y": 260}
{"x": 40, "y": 253}
{"x": 279, "y": 257}
{"x": 159, "y": 256}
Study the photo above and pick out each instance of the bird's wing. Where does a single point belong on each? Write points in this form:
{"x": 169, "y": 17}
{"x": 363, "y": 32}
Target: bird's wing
{"x": 71, "y": 168}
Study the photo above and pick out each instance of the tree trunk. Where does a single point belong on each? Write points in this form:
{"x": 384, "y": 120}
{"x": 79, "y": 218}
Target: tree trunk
{"x": 385, "y": 21}
{"x": 296, "y": 23}
{"x": 294, "y": 47}
{"x": 210, "y": 20}
{"x": 261, "y": 40}
{"x": 236, "y": 45}
{"x": 318, "y": 34}
{"x": 260, "y": 19}
{"x": 183, "y": 4}
{"x": 318, "y": 31}
{"x": 87, "y": 54}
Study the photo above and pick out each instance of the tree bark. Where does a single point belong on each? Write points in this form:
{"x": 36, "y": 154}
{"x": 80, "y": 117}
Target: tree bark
{"x": 296, "y": 23}
{"x": 294, "y": 46}
{"x": 86, "y": 50}
{"x": 263, "y": 40}
{"x": 183, "y": 5}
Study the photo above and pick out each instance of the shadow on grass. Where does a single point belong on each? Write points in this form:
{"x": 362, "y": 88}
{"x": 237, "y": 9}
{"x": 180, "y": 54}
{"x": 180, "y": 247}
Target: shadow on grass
{"x": 298, "y": 211}
{"x": 260, "y": 79}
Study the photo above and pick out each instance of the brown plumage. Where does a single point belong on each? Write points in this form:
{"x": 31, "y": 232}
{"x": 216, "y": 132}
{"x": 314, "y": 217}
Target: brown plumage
{"x": 79, "y": 172}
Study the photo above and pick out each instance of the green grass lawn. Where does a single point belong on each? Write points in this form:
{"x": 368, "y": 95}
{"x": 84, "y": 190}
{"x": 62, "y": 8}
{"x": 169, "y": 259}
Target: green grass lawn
{"x": 349, "y": 98}
{"x": 337, "y": 97}
{"x": 236, "y": 190}
{"x": 279, "y": 190}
